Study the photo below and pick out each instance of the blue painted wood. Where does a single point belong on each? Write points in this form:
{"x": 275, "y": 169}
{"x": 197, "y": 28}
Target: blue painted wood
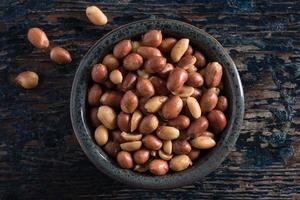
{"x": 39, "y": 156}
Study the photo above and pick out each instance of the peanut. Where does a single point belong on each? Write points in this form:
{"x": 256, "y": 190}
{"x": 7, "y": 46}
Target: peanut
{"x": 135, "y": 120}
{"x": 217, "y": 120}
{"x": 197, "y": 127}
{"x": 167, "y": 133}
{"x": 167, "y": 146}
{"x": 141, "y": 156}
{"x": 152, "y": 142}
{"x": 179, "y": 49}
{"x": 94, "y": 95}
{"x": 122, "y": 49}
{"x": 180, "y": 122}
{"x": 129, "y": 102}
{"x": 222, "y": 104}
{"x": 131, "y": 137}
{"x": 38, "y": 38}
{"x": 133, "y": 62}
{"x": 158, "y": 167}
{"x": 193, "y": 107}
{"x": 172, "y": 107}
{"x": 203, "y": 142}
{"x": 27, "y": 79}
{"x": 111, "y": 62}
{"x": 167, "y": 44}
{"x": 186, "y": 61}
{"x": 111, "y": 98}
{"x": 107, "y": 116}
{"x": 181, "y": 146}
{"x": 152, "y": 38}
{"x": 148, "y": 52}
{"x": 145, "y": 87}
{"x": 129, "y": 82}
{"x": 184, "y": 92}
{"x": 99, "y": 73}
{"x": 155, "y": 103}
{"x": 155, "y": 64}
{"x": 180, "y": 162}
{"x": 176, "y": 79}
{"x": 101, "y": 135}
{"x": 125, "y": 160}
{"x": 131, "y": 146}
{"x": 115, "y": 76}
{"x": 95, "y": 15}
{"x": 213, "y": 74}
{"x": 195, "y": 79}
{"x": 164, "y": 156}
{"x": 208, "y": 101}
{"x": 123, "y": 121}
{"x": 148, "y": 125}
{"x": 201, "y": 61}
{"x": 60, "y": 55}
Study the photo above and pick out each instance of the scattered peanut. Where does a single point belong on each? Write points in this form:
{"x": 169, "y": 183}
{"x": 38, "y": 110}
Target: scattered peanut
{"x": 96, "y": 16}
{"x": 38, "y": 38}
{"x": 27, "y": 79}
{"x": 60, "y": 55}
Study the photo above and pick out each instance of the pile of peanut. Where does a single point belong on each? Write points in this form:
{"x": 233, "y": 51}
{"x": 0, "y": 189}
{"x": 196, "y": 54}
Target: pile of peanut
{"x": 156, "y": 103}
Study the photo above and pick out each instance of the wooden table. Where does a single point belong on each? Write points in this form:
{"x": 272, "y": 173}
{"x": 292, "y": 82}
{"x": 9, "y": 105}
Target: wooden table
{"x": 39, "y": 155}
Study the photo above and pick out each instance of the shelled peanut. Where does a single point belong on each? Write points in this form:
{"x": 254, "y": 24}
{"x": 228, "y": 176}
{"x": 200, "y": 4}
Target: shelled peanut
{"x": 156, "y": 104}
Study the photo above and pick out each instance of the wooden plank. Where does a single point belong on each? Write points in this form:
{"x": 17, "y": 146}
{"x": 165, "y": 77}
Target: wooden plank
{"x": 39, "y": 156}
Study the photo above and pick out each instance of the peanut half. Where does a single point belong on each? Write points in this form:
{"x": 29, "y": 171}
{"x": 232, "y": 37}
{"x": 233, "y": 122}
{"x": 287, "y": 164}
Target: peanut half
{"x": 203, "y": 142}
{"x": 135, "y": 120}
{"x": 167, "y": 133}
{"x": 179, "y": 49}
{"x": 131, "y": 137}
{"x": 131, "y": 146}
{"x": 154, "y": 104}
{"x": 38, "y": 38}
{"x": 107, "y": 116}
{"x": 193, "y": 107}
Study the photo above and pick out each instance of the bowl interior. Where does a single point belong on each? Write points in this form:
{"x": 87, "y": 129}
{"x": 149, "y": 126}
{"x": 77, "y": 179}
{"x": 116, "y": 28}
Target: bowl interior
{"x": 213, "y": 51}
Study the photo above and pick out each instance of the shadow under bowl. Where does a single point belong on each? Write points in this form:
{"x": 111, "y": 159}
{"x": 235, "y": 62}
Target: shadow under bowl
{"x": 213, "y": 51}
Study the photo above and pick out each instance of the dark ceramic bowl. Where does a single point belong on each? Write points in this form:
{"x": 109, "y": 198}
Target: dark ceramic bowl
{"x": 233, "y": 90}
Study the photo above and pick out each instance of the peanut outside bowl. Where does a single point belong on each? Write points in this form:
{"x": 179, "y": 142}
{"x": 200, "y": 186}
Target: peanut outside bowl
{"x": 213, "y": 50}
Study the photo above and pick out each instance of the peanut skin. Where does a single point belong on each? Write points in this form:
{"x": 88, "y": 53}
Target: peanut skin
{"x": 176, "y": 79}
{"x": 122, "y": 49}
{"x": 129, "y": 102}
{"x": 172, "y": 107}
{"x": 213, "y": 74}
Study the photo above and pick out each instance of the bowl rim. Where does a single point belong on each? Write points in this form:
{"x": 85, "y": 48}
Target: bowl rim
{"x": 95, "y": 153}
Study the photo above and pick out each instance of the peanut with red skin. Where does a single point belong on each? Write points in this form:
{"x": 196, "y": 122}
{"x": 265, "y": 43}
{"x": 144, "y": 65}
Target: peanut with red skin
{"x": 176, "y": 79}
{"x": 152, "y": 38}
{"x": 122, "y": 49}
{"x": 129, "y": 102}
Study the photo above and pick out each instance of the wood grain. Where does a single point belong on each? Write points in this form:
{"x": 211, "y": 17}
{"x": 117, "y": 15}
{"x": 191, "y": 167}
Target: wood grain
{"x": 39, "y": 156}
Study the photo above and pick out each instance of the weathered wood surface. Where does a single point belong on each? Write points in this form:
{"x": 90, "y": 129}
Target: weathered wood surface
{"x": 39, "y": 156}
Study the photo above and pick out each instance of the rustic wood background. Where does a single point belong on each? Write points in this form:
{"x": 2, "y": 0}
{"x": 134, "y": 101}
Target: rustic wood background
{"x": 39, "y": 155}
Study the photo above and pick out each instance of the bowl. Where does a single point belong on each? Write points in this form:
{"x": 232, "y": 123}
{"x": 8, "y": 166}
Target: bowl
{"x": 213, "y": 50}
